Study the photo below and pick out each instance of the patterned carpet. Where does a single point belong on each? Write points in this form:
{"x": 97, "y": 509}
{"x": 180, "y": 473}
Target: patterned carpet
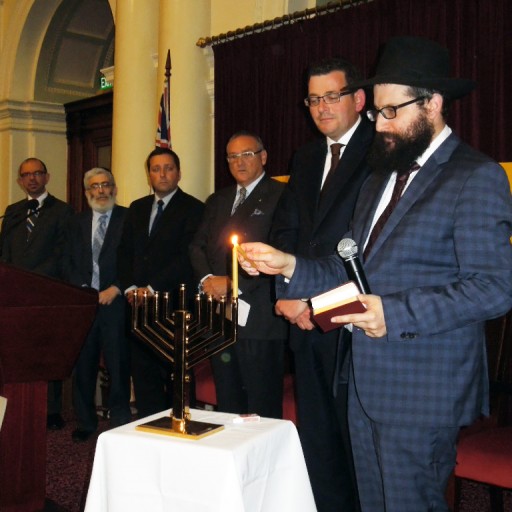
{"x": 69, "y": 466}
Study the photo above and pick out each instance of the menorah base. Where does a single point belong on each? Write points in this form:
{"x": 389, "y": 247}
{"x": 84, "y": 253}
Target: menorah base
{"x": 189, "y": 429}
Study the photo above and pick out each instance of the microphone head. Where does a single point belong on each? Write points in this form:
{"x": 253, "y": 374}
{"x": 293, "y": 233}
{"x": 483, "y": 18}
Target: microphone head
{"x": 347, "y": 248}
{"x": 33, "y": 204}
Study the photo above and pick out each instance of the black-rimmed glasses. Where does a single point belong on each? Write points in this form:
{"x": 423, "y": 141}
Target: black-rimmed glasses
{"x": 329, "y": 98}
{"x": 390, "y": 112}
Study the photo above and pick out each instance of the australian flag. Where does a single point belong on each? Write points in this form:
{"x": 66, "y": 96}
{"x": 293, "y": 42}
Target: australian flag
{"x": 163, "y": 130}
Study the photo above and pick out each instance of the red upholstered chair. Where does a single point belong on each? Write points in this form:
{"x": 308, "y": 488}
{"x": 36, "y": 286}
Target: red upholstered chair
{"x": 484, "y": 451}
{"x": 205, "y": 387}
{"x": 289, "y": 403}
{"x": 205, "y": 390}
{"x": 3, "y": 400}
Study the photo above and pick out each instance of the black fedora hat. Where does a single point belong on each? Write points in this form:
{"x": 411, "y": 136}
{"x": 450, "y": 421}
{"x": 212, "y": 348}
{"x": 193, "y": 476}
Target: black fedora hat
{"x": 418, "y": 62}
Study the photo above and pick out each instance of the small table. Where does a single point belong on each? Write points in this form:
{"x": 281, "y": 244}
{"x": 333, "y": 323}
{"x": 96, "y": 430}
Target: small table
{"x": 249, "y": 467}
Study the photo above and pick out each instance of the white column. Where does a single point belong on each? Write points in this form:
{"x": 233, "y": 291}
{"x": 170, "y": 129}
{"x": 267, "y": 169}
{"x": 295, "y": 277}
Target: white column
{"x": 182, "y": 23}
{"x": 134, "y": 121}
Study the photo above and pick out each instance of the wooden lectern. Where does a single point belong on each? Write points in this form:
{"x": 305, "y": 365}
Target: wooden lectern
{"x": 43, "y": 324}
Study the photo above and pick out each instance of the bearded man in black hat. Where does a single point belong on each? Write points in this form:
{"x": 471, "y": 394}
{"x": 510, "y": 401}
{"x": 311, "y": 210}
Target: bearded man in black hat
{"x": 433, "y": 223}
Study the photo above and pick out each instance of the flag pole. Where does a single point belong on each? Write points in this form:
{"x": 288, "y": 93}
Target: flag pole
{"x": 168, "y": 68}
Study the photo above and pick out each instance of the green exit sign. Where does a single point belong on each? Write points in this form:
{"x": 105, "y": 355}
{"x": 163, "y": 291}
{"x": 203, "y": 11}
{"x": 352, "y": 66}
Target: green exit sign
{"x": 104, "y": 84}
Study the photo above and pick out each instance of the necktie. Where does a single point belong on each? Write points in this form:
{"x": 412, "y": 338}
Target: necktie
{"x": 159, "y": 211}
{"x": 401, "y": 181}
{"x": 335, "y": 159}
{"x": 32, "y": 215}
{"x": 239, "y": 200}
{"x": 97, "y": 243}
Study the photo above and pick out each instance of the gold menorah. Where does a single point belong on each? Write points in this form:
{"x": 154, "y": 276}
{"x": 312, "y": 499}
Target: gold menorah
{"x": 184, "y": 339}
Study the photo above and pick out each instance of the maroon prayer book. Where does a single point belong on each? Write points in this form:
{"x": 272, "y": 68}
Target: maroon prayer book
{"x": 341, "y": 300}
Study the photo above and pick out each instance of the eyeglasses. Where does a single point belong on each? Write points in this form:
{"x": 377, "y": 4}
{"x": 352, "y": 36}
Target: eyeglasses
{"x": 99, "y": 186}
{"x": 246, "y": 155}
{"x": 330, "y": 97}
{"x": 35, "y": 174}
{"x": 390, "y": 112}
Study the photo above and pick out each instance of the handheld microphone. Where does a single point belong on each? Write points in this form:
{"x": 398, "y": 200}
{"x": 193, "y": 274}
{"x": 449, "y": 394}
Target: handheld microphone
{"x": 32, "y": 205}
{"x": 347, "y": 249}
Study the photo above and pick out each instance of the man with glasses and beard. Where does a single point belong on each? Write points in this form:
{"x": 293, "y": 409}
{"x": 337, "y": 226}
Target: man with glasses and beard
{"x": 91, "y": 261}
{"x": 32, "y": 238}
{"x": 433, "y": 223}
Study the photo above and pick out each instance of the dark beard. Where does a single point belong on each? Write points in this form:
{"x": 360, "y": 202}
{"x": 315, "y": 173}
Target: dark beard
{"x": 406, "y": 149}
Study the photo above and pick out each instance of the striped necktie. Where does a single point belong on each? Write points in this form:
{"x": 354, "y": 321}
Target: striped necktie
{"x": 97, "y": 244}
{"x": 242, "y": 194}
{"x": 32, "y": 214}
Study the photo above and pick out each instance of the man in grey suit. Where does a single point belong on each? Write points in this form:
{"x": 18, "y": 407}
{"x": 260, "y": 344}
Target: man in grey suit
{"x": 153, "y": 256}
{"x": 249, "y": 374}
{"x": 315, "y": 207}
{"x": 91, "y": 261}
{"x": 439, "y": 265}
{"x": 32, "y": 238}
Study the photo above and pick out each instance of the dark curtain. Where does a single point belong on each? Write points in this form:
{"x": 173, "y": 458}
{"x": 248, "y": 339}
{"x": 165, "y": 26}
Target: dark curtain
{"x": 260, "y": 80}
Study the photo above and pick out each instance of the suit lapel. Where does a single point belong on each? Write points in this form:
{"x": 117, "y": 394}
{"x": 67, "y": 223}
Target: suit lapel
{"x": 111, "y": 230}
{"x": 314, "y": 182}
{"x": 426, "y": 175}
{"x": 350, "y": 163}
{"x": 227, "y": 206}
{"x": 86, "y": 228}
{"x": 254, "y": 204}
{"x": 145, "y": 216}
{"x": 44, "y": 212}
{"x": 373, "y": 191}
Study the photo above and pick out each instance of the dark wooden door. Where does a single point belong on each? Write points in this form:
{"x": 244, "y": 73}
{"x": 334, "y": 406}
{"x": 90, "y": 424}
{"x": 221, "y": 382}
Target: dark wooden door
{"x": 89, "y": 135}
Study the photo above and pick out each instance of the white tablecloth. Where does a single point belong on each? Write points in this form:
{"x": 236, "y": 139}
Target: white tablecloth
{"x": 251, "y": 467}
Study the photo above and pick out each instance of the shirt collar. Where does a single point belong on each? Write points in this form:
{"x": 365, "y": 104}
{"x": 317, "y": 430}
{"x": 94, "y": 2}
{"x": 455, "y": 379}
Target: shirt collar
{"x": 96, "y": 215}
{"x": 40, "y": 199}
{"x": 441, "y": 137}
{"x": 345, "y": 138}
{"x": 165, "y": 199}
{"x": 252, "y": 186}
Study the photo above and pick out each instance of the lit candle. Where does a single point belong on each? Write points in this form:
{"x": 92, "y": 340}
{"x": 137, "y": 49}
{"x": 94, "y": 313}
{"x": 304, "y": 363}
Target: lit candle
{"x": 234, "y": 273}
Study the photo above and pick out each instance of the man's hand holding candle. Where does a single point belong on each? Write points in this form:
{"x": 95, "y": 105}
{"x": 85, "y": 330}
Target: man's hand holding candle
{"x": 258, "y": 257}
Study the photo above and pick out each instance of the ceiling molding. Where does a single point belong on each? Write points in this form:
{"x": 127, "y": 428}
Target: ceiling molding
{"x": 32, "y": 116}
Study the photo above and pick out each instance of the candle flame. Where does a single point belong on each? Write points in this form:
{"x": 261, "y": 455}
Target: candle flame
{"x": 234, "y": 239}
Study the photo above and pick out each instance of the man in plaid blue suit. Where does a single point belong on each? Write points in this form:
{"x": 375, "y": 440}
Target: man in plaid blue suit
{"x": 439, "y": 268}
